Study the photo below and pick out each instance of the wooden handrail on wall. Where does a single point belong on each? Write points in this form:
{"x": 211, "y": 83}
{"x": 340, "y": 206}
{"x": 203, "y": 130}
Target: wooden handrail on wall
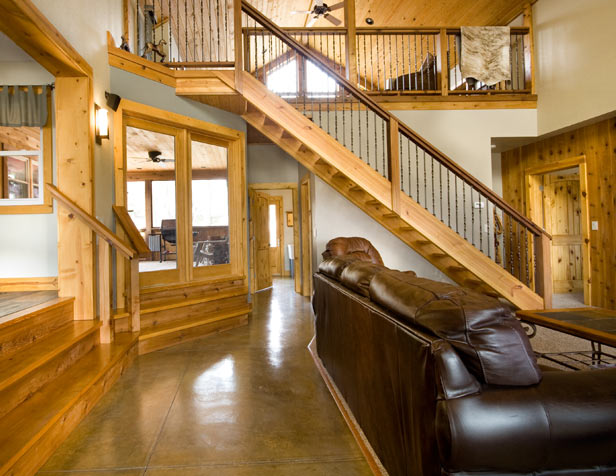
{"x": 107, "y": 240}
{"x": 400, "y": 131}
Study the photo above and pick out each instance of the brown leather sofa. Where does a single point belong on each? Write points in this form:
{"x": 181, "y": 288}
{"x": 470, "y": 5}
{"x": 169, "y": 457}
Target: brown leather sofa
{"x": 443, "y": 381}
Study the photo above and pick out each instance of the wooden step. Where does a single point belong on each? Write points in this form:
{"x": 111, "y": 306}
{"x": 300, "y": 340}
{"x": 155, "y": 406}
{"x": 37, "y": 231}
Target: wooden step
{"x": 30, "y": 358}
{"x": 31, "y": 433}
{"x": 22, "y": 328}
{"x": 175, "y": 332}
{"x": 33, "y": 367}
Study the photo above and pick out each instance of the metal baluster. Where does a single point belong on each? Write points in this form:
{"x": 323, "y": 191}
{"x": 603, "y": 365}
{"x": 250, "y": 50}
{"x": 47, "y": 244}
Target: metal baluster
{"x": 365, "y": 64}
{"x": 425, "y": 180}
{"x": 511, "y": 245}
{"x": 385, "y": 155}
{"x": 378, "y": 56}
{"x": 416, "y": 173}
{"x": 433, "y": 86}
{"x": 440, "y": 187}
{"x": 227, "y": 36}
{"x": 432, "y": 184}
{"x": 391, "y": 73}
{"x": 472, "y": 217}
{"x": 448, "y": 198}
{"x": 526, "y": 260}
{"x": 480, "y": 225}
{"x": 421, "y": 59}
{"x": 415, "y": 53}
{"x": 408, "y": 153}
{"x": 343, "y": 117}
{"x": 517, "y": 235}
{"x": 464, "y": 208}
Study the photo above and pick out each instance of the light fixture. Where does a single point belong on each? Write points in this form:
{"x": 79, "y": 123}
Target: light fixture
{"x": 101, "y": 119}
{"x": 369, "y": 21}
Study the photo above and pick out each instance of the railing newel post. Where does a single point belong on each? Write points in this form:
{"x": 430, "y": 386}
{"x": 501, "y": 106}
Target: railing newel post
{"x": 351, "y": 40}
{"x": 238, "y": 44}
{"x": 393, "y": 146}
{"x": 443, "y": 64}
{"x": 543, "y": 268}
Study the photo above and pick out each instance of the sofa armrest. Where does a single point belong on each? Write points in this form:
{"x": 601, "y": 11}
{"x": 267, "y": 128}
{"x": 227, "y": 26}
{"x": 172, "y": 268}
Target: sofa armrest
{"x": 567, "y": 421}
{"x": 454, "y": 379}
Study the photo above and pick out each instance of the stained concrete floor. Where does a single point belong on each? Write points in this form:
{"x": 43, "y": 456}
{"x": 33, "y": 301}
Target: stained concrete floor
{"x": 249, "y": 401}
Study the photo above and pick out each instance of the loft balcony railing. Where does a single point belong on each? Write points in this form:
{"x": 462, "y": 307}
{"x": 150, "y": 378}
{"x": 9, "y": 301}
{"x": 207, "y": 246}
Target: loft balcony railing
{"x": 379, "y": 61}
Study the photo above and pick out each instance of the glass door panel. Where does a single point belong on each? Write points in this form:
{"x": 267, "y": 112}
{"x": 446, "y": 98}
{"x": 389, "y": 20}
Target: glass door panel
{"x": 210, "y": 203}
{"x": 151, "y": 194}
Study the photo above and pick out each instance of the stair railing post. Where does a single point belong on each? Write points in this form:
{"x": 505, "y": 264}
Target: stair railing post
{"x": 104, "y": 291}
{"x": 393, "y": 146}
{"x": 350, "y": 41}
{"x": 543, "y": 265}
{"x": 443, "y": 63}
{"x": 238, "y": 44}
{"x": 134, "y": 304}
{"x": 529, "y": 51}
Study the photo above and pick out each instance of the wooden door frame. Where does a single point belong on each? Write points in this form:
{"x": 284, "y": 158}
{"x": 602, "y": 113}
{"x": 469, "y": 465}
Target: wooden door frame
{"x": 190, "y": 128}
{"x": 306, "y": 236}
{"x": 534, "y": 208}
{"x": 268, "y": 186}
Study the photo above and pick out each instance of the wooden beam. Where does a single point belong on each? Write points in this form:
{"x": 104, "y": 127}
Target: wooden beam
{"x": 350, "y": 43}
{"x": 133, "y": 297}
{"x": 394, "y": 164}
{"x": 104, "y": 292}
{"x": 238, "y": 43}
{"x": 529, "y": 50}
{"x": 543, "y": 253}
{"x": 33, "y": 32}
{"x": 131, "y": 230}
{"x": 442, "y": 63}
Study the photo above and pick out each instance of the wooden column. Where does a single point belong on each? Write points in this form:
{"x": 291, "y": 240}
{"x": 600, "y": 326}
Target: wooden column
{"x": 104, "y": 291}
{"x": 442, "y": 63}
{"x": 543, "y": 255}
{"x": 238, "y": 44}
{"x": 134, "y": 303}
{"x": 394, "y": 164}
{"x": 529, "y": 51}
{"x": 350, "y": 42}
{"x": 74, "y": 165}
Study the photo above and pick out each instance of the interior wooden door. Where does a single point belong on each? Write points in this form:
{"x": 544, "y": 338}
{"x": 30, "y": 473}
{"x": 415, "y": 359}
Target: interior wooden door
{"x": 563, "y": 220}
{"x": 261, "y": 243}
{"x": 276, "y": 237}
{"x": 306, "y": 236}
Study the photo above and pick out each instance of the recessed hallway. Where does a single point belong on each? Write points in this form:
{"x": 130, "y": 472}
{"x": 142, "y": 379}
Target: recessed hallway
{"x": 248, "y": 401}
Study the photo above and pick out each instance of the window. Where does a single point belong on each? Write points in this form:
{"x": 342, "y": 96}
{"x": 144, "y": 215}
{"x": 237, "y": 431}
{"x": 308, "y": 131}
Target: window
{"x": 163, "y": 201}
{"x": 318, "y": 83}
{"x": 20, "y": 159}
{"x": 273, "y": 226}
{"x": 135, "y": 203}
{"x": 282, "y": 80}
{"x": 210, "y": 207}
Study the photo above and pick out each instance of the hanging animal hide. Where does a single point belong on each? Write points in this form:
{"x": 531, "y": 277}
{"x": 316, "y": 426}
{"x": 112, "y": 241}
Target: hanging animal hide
{"x": 485, "y": 53}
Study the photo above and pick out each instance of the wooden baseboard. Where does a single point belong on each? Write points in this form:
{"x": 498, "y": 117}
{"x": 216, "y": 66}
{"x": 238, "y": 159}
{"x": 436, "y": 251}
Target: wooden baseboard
{"x": 364, "y": 445}
{"x": 28, "y": 284}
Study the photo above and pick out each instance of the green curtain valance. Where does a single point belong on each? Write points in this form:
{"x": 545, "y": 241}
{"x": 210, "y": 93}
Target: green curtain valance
{"x": 19, "y": 107}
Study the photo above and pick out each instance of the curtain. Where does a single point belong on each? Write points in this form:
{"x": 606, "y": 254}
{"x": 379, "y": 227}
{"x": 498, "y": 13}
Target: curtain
{"x": 23, "y": 108}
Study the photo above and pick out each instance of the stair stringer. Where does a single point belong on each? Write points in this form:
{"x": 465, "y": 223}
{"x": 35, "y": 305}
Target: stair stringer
{"x": 349, "y": 175}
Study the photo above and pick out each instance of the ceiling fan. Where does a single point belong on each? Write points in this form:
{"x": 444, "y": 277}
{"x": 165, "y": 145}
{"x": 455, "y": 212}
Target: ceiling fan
{"x": 321, "y": 9}
{"x": 154, "y": 156}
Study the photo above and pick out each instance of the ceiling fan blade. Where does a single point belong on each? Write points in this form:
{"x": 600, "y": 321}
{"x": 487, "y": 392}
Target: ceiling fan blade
{"x": 167, "y": 160}
{"x": 302, "y": 12}
{"x": 312, "y": 21}
{"x": 332, "y": 19}
{"x": 336, "y": 6}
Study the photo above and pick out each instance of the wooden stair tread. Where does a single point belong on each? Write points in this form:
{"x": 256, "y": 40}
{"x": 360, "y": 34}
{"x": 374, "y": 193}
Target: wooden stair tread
{"x": 24, "y": 314}
{"x": 26, "y": 424}
{"x": 182, "y": 324}
{"x": 19, "y": 364}
{"x": 175, "y": 303}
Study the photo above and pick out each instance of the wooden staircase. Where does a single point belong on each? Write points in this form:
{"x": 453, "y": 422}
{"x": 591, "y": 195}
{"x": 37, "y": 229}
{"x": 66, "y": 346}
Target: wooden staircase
{"x": 53, "y": 369}
{"x": 346, "y": 173}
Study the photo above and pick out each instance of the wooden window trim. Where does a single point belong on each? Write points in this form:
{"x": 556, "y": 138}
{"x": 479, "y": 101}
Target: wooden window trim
{"x": 47, "y": 159}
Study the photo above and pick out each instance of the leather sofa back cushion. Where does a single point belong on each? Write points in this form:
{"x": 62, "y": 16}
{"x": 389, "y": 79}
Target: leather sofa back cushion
{"x": 333, "y": 267}
{"x": 488, "y": 338}
{"x": 357, "y": 246}
{"x": 357, "y": 276}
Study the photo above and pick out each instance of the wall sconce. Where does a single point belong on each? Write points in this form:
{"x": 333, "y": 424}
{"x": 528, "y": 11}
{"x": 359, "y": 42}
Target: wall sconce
{"x": 101, "y": 119}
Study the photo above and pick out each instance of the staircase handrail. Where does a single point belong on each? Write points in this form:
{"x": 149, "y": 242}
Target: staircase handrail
{"x": 365, "y": 99}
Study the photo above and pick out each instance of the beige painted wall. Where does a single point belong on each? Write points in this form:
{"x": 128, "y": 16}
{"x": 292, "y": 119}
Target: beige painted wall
{"x": 28, "y": 245}
{"x": 465, "y": 136}
{"x": 575, "y": 61}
